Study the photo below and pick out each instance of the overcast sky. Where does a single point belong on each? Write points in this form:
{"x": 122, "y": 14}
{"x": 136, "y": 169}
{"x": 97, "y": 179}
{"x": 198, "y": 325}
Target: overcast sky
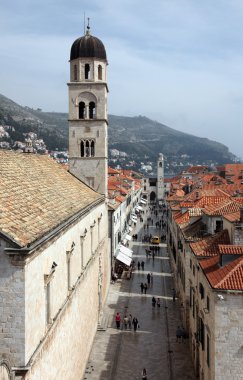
{"x": 179, "y": 62}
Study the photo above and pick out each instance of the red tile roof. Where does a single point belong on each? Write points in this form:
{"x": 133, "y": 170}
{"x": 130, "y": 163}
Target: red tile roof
{"x": 226, "y": 207}
{"x": 231, "y": 249}
{"x": 209, "y": 245}
{"x": 228, "y": 277}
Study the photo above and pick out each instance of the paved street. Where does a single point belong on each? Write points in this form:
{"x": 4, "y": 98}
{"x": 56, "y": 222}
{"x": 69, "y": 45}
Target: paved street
{"x": 122, "y": 354}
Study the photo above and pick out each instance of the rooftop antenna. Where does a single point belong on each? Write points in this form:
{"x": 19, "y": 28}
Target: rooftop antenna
{"x": 84, "y": 23}
{"x": 88, "y": 27}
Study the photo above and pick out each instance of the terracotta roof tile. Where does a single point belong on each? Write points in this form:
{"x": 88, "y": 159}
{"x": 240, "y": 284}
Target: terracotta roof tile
{"x": 210, "y": 245}
{"x": 228, "y": 277}
{"x": 37, "y": 195}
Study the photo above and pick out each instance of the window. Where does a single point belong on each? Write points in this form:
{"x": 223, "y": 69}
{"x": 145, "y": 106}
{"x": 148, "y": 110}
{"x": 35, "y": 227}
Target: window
{"x": 87, "y": 148}
{"x": 190, "y": 263}
{"x": 81, "y": 110}
{"x": 193, "y": 270}
{"x": 208, "y": 303}
{"x": 75, "y": 72}
{"x": 82, "y": 149}
{"x": 92, "y": 145}
{"x": 92, "y": 110}
{"x": 90, "y": 181}
{"x": 100, "y": 72}
{"x": 201, "y": 290}
{"x": 87, "y": 71}
{"x": 48, "y": 302}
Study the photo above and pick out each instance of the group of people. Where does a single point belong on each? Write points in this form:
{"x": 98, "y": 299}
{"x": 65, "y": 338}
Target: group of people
{"x": 140, "y": 265}
{"x": 155, "y": 302}
{"x": 128, "y": 322}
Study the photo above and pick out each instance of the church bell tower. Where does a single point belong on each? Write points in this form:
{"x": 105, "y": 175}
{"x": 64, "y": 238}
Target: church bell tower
{"x": 160, "y": 177}
{"x": 88, "y": 153}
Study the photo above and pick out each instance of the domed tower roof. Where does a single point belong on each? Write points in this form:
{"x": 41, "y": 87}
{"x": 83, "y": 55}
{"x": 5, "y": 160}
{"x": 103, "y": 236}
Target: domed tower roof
{"x": 88, "y": 47}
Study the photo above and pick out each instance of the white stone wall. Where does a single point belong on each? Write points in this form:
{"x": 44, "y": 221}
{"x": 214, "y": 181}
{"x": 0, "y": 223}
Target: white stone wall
{"x": 58, "y": 350}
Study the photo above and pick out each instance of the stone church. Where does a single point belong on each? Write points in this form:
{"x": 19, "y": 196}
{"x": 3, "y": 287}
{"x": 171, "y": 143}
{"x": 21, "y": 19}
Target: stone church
{"x": 54, "y": 261}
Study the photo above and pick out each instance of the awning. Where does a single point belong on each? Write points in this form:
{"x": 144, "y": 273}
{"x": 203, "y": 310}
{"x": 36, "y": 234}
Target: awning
{"x": 124, "y": 254}
{"x": 130, "y": 229}
{"x": 143, "y": 201}
{"x": 134, "y": 220}
{"x": 123, "y": 249}
{"x": 128, "y": 237}
{"x": 139, "y": 208}
{"x": 124, "y": 258}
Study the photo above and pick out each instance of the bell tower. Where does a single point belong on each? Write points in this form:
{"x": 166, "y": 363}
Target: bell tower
{"x": 88, "y": 153}
{"x": 160, "y": 177}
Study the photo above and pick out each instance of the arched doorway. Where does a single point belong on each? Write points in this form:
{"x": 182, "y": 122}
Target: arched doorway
{"x": 152, "y": 196}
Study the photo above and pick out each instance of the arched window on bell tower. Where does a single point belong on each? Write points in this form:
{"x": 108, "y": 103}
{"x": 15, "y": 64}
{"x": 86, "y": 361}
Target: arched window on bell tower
{"x": 92, "y": 110}
{"x": 82, "y": 148}
{"x": 92, "y": 148}
{"x": 81, "y": 110}
{"x": 87, "y": 149}
{"x": 75, "y": 72}
{"x": 87, "y": 71}
{"x": 160, "y": 164}
{"x": 100, "y": 72}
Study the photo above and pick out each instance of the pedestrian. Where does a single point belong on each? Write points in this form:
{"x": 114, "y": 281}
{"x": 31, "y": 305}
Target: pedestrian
{"x": 158, "y": 302}
{"x": 130, "y": 321}
{"x": 135, "y": 324}
{"x": 145, "y": 286}
{"x": 178, "y": 334}
{"x": 142, "y": 287}
{"x": 173, "y": 294}
{"x": 125, "y": 322}
{"x": 148, "y": 278}
{"x": 144, "y": 374}
{"x": 138, "y": 265}
{"x": 151, "y": 278}
{"x": 153, "y": 302}
{"x": 118, "y": 320}
{"x": 142, "y": 265}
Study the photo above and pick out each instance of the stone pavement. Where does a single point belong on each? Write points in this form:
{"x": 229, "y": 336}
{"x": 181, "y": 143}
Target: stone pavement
{"x": 122, "y": 354}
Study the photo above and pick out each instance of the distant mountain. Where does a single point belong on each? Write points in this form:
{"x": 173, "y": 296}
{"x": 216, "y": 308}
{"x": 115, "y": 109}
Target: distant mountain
{"x": 138, "y": 136}
{"x": 142, "y": 136}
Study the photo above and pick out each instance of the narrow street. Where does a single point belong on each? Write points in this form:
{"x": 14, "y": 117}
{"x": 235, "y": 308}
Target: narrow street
{"x": 122, "y": 354}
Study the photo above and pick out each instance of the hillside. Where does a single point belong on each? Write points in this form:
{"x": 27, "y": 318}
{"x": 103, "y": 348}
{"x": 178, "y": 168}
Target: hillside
{"x": 138, "y": 136}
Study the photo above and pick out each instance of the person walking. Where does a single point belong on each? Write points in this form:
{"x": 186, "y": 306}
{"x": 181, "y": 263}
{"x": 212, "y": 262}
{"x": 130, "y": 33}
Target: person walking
{"x": 153, "y": 302}
{"x": 144, "y": 374}
{"x": 138, "y": 265}
{"x": 151, "y": 278}
{"x": 142, "y": 287}
{"x": 130, "y": 321}
{"x": 173, "y": 294}
{"x": 145, "y": 286}
{"x": 148, "y": 278}
{"x": 142, "y": 265}
{"x": 135, "y": 324}
{"x": 125, "y": 322}
{"x": 158, "y": 302}
{"x": 118, "y": 320}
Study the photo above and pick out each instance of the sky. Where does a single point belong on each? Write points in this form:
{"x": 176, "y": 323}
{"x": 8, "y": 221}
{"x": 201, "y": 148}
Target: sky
{"x": 179, "y": 62}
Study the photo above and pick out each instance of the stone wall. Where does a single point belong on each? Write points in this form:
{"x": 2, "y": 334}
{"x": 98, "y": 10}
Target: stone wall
{"x": 58, "y": 349}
